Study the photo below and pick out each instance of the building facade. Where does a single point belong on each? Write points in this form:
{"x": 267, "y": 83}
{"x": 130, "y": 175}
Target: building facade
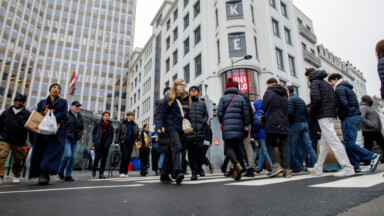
{"x": 44, "y": 42}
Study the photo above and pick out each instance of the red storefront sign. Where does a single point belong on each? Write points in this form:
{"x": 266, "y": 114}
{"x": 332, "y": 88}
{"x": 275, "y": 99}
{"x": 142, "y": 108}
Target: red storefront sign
{"x": 243, "y": 81}
{"x": 217, "y": 142}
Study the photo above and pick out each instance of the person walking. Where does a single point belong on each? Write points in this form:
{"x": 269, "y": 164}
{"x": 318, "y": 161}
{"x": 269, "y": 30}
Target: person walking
{"x": 145, "y": 149}
{"x": 260, "y": 136}
{"x": 323, "y": 108}
{"x": 169, "y": 121}
{"x": 233, "y": 116}
{"x": 102, "y": 137}
{"x": 207, "y": 144}
{"x": 86, "y": 158}
{"x": 314, "y": 129}
{"x": 275, "y": 106}
{"x": 380, "y": 64}
{"x": 127, "y": 134}
{"x": 350, "y": 116}
{"x": 74, "y": 128}
{"x": 13, "y": 136}
{"x": 48, "y": 150}
{"x": 92, "y": 155}
{"x": 155, "y": 153}
{"x": 371, "y": 125}
{"x": 195, "y": 140}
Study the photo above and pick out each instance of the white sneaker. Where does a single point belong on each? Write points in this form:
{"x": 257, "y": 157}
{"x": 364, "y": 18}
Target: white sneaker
{"x": 126, "y": 176}
{"x": 264, "y": 172}
{"x": 345, "y": 172}
{"x": 315, "y": 171}
{"x": 122, "y": 175}
{"x": 16, "y": 180}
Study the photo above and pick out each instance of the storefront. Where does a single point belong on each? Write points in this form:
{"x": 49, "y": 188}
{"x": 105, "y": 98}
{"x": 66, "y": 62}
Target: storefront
{"x": 246, "y": 78}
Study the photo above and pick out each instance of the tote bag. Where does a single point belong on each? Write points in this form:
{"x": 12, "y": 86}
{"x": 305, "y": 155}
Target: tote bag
{"x": 186, "y": 125}
{"x": 49, "y": 125}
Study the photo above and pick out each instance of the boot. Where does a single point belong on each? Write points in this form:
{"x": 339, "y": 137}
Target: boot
{"x": 277, "y": 169}
{"x": 61, "y": 176}
{"x": 250, "y": 173}
{"x": 202, "y": 173}
{"x": 165, "y": 178}
{"x": 237, "y": 172}
{"x": 44, "y": 179}
{"x": 287, "y": 173}
{"x": 101, "y": 176}
{"x": 229, "y": 173}
{"x": 194, "y": 176}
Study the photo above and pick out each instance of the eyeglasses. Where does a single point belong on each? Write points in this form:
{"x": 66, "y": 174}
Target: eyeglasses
{"x": 182, "y": 85}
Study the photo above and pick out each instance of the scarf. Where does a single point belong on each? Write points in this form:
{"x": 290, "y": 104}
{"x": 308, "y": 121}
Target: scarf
{"x": 104, "y": 125}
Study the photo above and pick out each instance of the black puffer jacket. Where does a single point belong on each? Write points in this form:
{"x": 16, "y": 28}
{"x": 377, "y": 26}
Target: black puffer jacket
{"x": 347, "y": 104}
{"x": 297, "y": 109}
{"x": 235, "y": 117}
{"x": 97, "y": 132}
{"x": 158, "y": 105}
{"x": 323, "y": 97}
{"x": 380, "y": 70}
{"x": 249, "y": 107}
{"x": 199, "y": 117}
{"x": 74, "y": 126}
{"x": 275, "y": 106}
{"x": 12, "y": 127}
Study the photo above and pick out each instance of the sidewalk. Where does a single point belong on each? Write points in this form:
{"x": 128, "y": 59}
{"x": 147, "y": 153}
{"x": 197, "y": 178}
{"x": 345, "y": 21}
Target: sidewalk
{"x": 373, "y": 207}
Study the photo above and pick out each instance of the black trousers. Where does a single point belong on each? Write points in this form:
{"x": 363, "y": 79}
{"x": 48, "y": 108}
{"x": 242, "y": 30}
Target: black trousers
{"x": 373, "y": 136}
{"x": 205, "y": 158}
{"x": 155, "y": 158}
{"x": 173, "y": 154}
{"x": 100, "y": 153}
{"x": 233, "y": 151}
{"x": 280, "y": 141}
{"x": 195, "y": 154}
{"x": 126, "y": 149}
{"x": 144, "y": 159}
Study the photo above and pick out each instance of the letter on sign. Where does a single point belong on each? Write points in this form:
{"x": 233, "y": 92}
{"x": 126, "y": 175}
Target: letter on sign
{"x": 234, "y": 10}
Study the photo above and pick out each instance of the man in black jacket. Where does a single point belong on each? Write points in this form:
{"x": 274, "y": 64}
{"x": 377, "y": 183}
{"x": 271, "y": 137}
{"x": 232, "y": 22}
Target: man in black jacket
{"x": 195, "y": 140}
{"x": 323, "y": 108}
{"x": 13, "y": 136}
{"x": 74, "y": 128}
{"x": 127, "y": 134}
{"x": 314, "y": 130}
{"x": 350, "y": 116}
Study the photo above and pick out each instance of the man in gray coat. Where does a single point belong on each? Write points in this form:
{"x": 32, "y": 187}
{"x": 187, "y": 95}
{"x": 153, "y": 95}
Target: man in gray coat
{"x": 371, "y": 124}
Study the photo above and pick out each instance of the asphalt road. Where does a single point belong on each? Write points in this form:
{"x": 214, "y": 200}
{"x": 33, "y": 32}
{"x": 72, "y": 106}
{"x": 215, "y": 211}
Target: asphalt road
{"x": 303, "y": 194}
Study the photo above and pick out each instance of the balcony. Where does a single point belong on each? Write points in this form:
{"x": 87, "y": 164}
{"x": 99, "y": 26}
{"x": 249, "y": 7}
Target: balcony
{"x": 311, "y": 58}
{"x": 305, "y": 32}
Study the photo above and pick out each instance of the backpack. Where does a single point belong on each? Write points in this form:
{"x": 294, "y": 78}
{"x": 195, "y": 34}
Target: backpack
{"x": 260, "y": 120}
{"x": 115, "y": 158}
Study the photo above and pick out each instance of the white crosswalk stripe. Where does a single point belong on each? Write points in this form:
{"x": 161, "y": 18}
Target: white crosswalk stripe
{"x": 364, "y": 181}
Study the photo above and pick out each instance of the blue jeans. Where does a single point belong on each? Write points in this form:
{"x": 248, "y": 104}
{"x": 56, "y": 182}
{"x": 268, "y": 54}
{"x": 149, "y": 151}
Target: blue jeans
{"x": 350, "y": 125}
{"x": 161, "y": 160}
{"x": 263, "y": 155}
{"x": 299, "y": 139}
{"x": 68, "y": 161}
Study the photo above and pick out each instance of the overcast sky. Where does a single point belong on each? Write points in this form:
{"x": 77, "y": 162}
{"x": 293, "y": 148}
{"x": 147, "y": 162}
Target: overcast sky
{"x": 348, "y": 28}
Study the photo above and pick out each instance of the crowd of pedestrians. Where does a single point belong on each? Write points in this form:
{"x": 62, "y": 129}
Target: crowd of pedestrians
{"x": 293, "y": 137}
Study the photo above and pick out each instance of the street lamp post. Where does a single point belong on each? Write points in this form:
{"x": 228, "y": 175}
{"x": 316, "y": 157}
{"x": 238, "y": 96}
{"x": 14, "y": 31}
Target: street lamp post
{"x": 247, "y": 57}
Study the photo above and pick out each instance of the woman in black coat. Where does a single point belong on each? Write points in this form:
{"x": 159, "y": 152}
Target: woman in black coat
{"x": 275, "y": 106}
{"x": 48, "y": 150}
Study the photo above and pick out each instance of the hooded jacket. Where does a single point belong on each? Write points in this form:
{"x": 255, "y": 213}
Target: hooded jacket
{"x": 199, "y": 117}
{"x": 275, "y": 106}
{"x": 347, "y": 104}
{"x": 297, "y": 109}
{"x": 260, "y": 133}
{"x": 234, "y": 117}
{"x": 370, "y": 118}
{"x": 380, "y": 70}
{"x": 323, "y": 97}
{"x": 249, "y": 107}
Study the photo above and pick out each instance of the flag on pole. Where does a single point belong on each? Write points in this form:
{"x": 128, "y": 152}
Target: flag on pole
{"x": 72, "y": 83}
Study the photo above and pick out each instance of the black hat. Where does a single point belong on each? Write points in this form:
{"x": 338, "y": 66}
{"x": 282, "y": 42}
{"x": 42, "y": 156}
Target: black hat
{"x": 194, "y": 87}
{"x": 54, "y": 84}
{"x": 166, "y": 89}
{"x": 76, "y": 103}
{"x": 19, "y": 97}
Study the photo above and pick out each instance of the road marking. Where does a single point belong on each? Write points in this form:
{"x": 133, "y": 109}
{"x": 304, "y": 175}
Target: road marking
{"x": 363, "y": 181}
{"x": 75, "y": 188}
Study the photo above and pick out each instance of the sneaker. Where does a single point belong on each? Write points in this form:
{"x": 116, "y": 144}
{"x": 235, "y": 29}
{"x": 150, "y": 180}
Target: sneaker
{"x": 229, "y": 173}
{"x": 287, "y": 173}
{"x": 156, "y": 173}
{"x": 345, "y": 172}
{"x": 250, "y": 173}
{"x": 122, "y": 175}
{"x": 359, "y": 172}
{"x": 375, "y": 162}
{"x": 315, "y": 171}
{"x": 179, "y": 178}
{"x": 68, "y": 178}
{"x": 264, "y": 172}
{"x": 61, "y": 176}
{"x": 165, "y": 179}
{"x": 16, "y": 179}
{"x": 44, "y": 179}
{"x": 201, "y": 173}
{"x": 277, "y": 169}
{"x": 211, "y": 169}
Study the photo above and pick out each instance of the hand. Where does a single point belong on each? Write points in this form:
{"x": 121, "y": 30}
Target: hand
{"x": 157, "y": 140}
{"x": 319, "y": 133}
{"x": 252, "y": 140}
{"x": 45, "y": 110}
{"x": 246, "y": 128}
{"x": 159, "y": 131}
{"x": 163, "y": 130}
{"x": 58, "y": 126}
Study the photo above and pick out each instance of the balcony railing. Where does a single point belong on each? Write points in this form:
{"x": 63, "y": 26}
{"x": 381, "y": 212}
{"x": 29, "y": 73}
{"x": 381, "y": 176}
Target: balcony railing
{"x": 311, "y": 58}
{"x": 305, "y": 32}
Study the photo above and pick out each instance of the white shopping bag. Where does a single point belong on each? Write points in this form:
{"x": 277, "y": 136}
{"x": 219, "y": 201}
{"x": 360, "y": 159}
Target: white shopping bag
{"x": 28, "y": 159}
{"x": 49, "y": 125}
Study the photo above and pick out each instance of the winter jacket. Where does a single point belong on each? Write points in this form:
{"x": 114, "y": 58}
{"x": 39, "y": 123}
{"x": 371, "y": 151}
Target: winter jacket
{"x": 12, "y": 127}
{"x": 260, "y": 133}
{"x": 275, "y": 106}
{"x": 314, "y": 127}
{"x": 297, "y": 109}
{"x": 121, "y": 132}
{"x": 199, "y": 117}
{"x": 323, "y": 97}
{"x": 170, "y": 116}
{"x": 249, "y": 107}
{"x": 96, "y": 135}
{"x": 380, "y": 69}
{"x": 158, "y": 105}
{"x": 59, "y": 106}
{"x": 370, "y": 118}
{"x": 74, "y": 126}
{"x": 208, "y": 133}
{"x": 235, "y": 118}
{"x": 347, "y": 104}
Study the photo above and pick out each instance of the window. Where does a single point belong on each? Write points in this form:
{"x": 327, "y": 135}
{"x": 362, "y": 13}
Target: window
{"x": 296, "y": 90}
{"x": 134, "y": 99}
{"x": 175, "y": 34}
{"x": 138, "y": 111}
{"x": 299, "y": 21}
{"x": 196, "y": 8}
{"x": 197, "y": 65}
{"x": 308, "y": 27}
{"x": 284, "y": 9}
{"x": 256, "y": 48}
{"x": 288, "y": 36}
{"x": 218, "y": 50}
{"x": 313, "y": 52}
{"x": 168, "y": 24}
{"x": 275, "y": 26}
{"x": 168, "y": 42}
{"x": 167, "y": 65}
{"x": 304, "y": 46}
{"x": 186, "y": 2}
{"x": 186, "y": 73}
{"x": 175, "y": 57}
{"x": 279, "y": 57}
{"x": 175, "y": 15}
{"x": 283, "y": 82}
{"x": 253, "y": 15}
{"x": 158, "y": 21}
{"x": 217, "y": 18}
{"x": 197, "y": 35}
{"x": 292, "y": 65}
{"x": 186, "y": 46}
{"x": 167, "y": 84}
{"x": 186, "y": 21}
{"x": 138, "y": 94}
{"x": 174, "y": 78}
{"x": 272, "y": 3}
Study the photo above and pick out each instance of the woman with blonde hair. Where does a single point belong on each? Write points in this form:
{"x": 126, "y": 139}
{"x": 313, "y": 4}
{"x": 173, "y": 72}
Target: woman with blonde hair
{"x": 380, "y": 65}
{"x": 169, "y": 121}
